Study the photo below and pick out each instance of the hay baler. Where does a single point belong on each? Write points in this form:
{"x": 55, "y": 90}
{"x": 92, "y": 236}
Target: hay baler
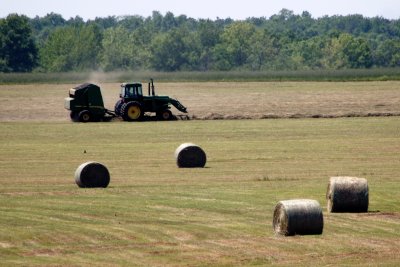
{"x": 85, "y": 103}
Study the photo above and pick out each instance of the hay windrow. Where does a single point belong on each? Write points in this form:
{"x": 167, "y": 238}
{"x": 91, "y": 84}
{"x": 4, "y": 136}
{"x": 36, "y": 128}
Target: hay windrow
{"x": 298, "y": 216}
{"x": 218, "y": 116}
{"x": 347, "y": 194}
{"x": 189, "y": 155}
{"x": 91, "y": 175}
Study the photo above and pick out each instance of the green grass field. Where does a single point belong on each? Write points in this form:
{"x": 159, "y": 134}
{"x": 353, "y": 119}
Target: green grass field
{"x": 155, "y": 214}
{"x": 373, "y": 74}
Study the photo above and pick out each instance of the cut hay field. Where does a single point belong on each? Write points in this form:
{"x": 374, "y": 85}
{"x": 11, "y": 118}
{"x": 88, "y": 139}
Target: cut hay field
{"x": 155, "y": 214}
{"x": 221, "y": 100}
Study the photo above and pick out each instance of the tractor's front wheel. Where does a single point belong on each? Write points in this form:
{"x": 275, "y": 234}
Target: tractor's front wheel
{"x": 85, "y": 116}
{"x": 164, "y": 115}
{"x": 132, "y": 111}
{"x": 118, "y": 107}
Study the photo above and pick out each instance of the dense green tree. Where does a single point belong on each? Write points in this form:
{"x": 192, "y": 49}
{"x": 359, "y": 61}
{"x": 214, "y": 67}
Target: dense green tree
{"x": 388, "y": 54}
{"x": 309, "y": 54}
{"x": 131, "y": 22}
{"x": 347, "y": 51}
{"x": 208, "y": 35}
{"x": 72, "y": 48}
{"x": 285, "y": 41}
{"x": 171, "y": 51}
{"x": 123, "y": 50}
{"x": 56, "y": 54}
{"x": 168, "y": 22}
{"x": 51, "y": 20}
{"x": 263, "y": 50}
{"x": 18, "y": 51}
{"x": 236, "y": 40}
{"x": 106, "y": 23}
{"x": 76, "y": 22}
{"x": 155, "y": 22}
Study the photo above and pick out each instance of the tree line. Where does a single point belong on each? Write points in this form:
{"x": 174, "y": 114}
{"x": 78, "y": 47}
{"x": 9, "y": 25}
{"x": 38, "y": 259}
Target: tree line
{"x": 285, "y": 41}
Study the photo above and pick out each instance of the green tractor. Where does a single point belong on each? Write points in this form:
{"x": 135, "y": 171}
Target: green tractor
{"x": 85, "y": 103}
{"x": 132, "y": 104}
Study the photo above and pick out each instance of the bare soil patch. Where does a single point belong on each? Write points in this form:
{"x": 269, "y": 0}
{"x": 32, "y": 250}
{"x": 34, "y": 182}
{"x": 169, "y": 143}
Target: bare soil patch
{"x": 222, "y": 100}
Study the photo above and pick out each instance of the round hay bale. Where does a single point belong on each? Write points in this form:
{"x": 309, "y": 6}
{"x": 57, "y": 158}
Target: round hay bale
{"x": 298, "y": 216}
{"x": 347, "y": 194}
{"x": 92, "y": 174}
{"x": 189, "y": 155}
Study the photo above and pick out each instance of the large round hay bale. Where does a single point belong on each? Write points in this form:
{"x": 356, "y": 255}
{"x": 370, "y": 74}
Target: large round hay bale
{"x": 347, "y": 194}
{"x": 189, "y": 155}
{"x": 92, "y": 174}
{"x": 298, "y": 216}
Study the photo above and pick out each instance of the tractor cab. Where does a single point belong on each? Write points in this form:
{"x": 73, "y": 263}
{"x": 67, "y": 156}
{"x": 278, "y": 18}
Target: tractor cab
{"x": 131, "y": 91}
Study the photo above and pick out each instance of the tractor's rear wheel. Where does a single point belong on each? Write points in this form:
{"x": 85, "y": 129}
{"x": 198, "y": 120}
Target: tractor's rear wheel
{"x": 118, "y": 107}
{"x": 85, "y": 116}
{"x": 132, "y": 111}
{"x": 164, "y": 115}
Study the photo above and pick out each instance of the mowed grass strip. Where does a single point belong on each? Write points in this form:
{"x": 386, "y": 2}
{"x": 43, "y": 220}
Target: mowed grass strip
{"x": 155, "y": 214}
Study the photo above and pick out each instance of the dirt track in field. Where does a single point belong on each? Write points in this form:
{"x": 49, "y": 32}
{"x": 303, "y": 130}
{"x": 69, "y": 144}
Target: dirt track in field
{"x": 223, "y": 100}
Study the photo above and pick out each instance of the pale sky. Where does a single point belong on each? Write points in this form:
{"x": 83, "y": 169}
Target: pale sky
{"x": 89, "y": 9}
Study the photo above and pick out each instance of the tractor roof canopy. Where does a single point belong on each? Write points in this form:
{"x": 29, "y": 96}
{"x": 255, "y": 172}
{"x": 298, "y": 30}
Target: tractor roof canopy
{"x": 131, "y": 83}
{"x": 131, "y": 90}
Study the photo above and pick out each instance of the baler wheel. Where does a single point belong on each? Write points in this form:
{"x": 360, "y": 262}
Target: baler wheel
{"x": 74, "y": 116}
{"x": 85, "y": 116}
